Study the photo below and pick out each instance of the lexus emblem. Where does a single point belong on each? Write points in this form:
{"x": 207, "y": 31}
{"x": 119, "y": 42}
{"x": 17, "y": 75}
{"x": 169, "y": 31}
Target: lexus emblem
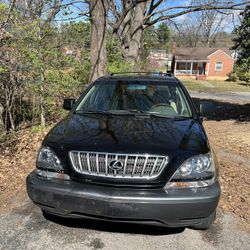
{"x": 116, "y": 165}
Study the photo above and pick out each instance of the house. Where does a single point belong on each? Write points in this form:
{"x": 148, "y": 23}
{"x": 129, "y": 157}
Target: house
{"x": 202, "y": 63}
{"x": 159, "y": 60}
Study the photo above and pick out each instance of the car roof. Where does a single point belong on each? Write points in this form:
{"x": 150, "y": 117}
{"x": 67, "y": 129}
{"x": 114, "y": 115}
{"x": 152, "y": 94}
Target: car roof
{"x": 151, "y": 78}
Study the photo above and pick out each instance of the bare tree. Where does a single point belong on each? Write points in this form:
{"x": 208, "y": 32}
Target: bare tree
{"x": 131, "y": 18}
{"x": 210, "y": 22}
{"x": 129, "y": 28}
{"x": 98, "y": 54}
{"x": 202, "y": 28}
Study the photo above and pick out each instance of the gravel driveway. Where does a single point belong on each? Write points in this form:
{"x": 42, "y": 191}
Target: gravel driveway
{"x": 25, "y": 228}
{"x": 224, "y": 96}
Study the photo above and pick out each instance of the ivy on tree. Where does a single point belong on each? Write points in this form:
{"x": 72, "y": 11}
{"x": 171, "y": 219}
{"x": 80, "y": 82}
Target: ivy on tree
{"x": 242, "y": 46}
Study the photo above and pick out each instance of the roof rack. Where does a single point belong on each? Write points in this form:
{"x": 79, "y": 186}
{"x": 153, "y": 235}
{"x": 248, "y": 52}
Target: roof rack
{"x": 134, "y": 72}
{"x": 169, "y": 73}
{"x": 144, "y": 73}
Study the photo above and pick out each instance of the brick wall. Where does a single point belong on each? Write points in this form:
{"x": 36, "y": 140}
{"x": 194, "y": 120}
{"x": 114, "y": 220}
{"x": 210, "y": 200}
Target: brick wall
{"x": 227, "y": 64}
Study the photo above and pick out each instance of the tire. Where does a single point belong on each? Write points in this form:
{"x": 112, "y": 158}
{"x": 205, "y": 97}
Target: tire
{"x": 206, "y": 224}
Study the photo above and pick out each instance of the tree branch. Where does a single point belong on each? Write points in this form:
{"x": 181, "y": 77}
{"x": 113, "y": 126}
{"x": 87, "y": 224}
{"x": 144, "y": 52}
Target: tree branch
{"x": 113, "y": 7}
{"x": 62, "y": 5}
{"x": 224, "y": 5}
{"x": 72, "y": 18}
{"x": 54, "y": 10}
{"x": 190, "y": 9}
{"x": 10, "y": 10}
{"x": 153, "y": 6}
{"x": 125, "y": 12}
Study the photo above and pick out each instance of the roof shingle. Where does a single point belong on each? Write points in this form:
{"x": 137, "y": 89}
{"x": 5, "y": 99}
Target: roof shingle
{"x": 197, "y": 53}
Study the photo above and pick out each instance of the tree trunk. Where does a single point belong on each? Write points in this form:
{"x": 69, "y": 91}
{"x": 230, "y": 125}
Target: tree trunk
{"x": 98, "y": 53}
{"x": 42, "y": 105}
{"x": 12, "y": 123}
{"x": 132, "y": 44}
{"x": 2, "y": 127}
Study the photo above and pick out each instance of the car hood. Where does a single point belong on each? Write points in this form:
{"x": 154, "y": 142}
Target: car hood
{"x": 130, "y": 134}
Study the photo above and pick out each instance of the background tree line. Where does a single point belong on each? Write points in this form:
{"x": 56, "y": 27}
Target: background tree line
{"x": 47, "y": 54}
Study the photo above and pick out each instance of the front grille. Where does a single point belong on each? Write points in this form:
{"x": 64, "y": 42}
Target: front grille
{"x": 118, "y": 165}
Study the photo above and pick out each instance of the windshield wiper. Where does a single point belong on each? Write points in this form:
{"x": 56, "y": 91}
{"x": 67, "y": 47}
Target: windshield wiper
{"x": 154, "y": 114}
{"x": 132, "y": 112}
{"x": 110, "y": 112}
{"x": 92, "y": 112}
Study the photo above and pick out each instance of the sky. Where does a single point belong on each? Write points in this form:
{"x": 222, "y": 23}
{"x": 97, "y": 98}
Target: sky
{"x": 72, "y": 13}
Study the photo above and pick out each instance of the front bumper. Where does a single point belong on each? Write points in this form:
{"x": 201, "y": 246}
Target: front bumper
{"x": 174, "y": 208}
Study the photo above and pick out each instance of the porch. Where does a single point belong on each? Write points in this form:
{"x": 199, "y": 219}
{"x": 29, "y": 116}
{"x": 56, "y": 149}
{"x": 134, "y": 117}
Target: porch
{"x": 197, "y": 68}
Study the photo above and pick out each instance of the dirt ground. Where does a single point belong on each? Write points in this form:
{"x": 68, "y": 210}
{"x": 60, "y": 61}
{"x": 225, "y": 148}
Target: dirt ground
{"x": 231, "y": 142}
{"x": 17, "y": 160}
{"x": 228, "y": 129}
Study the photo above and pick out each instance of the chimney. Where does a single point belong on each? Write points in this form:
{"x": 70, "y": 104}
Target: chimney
{"x": 173, "y": 57}
{"x": 174, "y": 48}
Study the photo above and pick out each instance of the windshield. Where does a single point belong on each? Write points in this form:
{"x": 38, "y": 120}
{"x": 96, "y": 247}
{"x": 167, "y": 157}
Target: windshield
{"x": 142, "y": 97}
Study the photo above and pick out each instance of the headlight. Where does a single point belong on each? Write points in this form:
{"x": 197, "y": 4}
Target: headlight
{"x": 197, "y": 171}
{"x": 49, "y": 165}
{"x": 47, "y": 159}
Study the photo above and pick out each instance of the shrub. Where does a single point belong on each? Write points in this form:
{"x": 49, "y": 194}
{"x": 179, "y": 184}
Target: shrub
{"x": 232, "y": 77}
{"x": 243, "y": 72}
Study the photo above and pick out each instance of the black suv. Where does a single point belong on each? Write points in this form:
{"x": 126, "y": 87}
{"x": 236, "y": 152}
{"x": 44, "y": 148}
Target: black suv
{"x": 132, "y": 149}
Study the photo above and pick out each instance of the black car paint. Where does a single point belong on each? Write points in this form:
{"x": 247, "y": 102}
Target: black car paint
{"x": 140, "y": 201}
{"x": 177, "y": 138}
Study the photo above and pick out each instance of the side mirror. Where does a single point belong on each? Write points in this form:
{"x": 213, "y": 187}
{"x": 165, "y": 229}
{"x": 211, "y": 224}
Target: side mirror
{"x": 206, "y": 107}
{"x": 69, "y": 103}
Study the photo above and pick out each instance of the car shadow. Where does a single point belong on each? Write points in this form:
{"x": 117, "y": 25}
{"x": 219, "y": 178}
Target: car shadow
{"x": 114, "y": 227}
{"x": 221, "y": 110}
{"x": 247, "y": 84}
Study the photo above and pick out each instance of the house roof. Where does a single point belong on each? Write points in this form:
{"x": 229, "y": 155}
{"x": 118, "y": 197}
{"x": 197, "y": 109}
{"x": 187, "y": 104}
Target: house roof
{"x": 197, "y": 53}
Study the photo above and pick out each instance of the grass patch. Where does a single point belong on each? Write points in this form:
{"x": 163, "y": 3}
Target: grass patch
{"x": 216, "y": 86}
{"x": 39, "y": 128}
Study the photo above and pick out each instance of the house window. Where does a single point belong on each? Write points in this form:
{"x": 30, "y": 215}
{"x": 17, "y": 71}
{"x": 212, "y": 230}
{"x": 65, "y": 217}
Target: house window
{"x": 218, "y": 66}
{"x": 183, "y": 66}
